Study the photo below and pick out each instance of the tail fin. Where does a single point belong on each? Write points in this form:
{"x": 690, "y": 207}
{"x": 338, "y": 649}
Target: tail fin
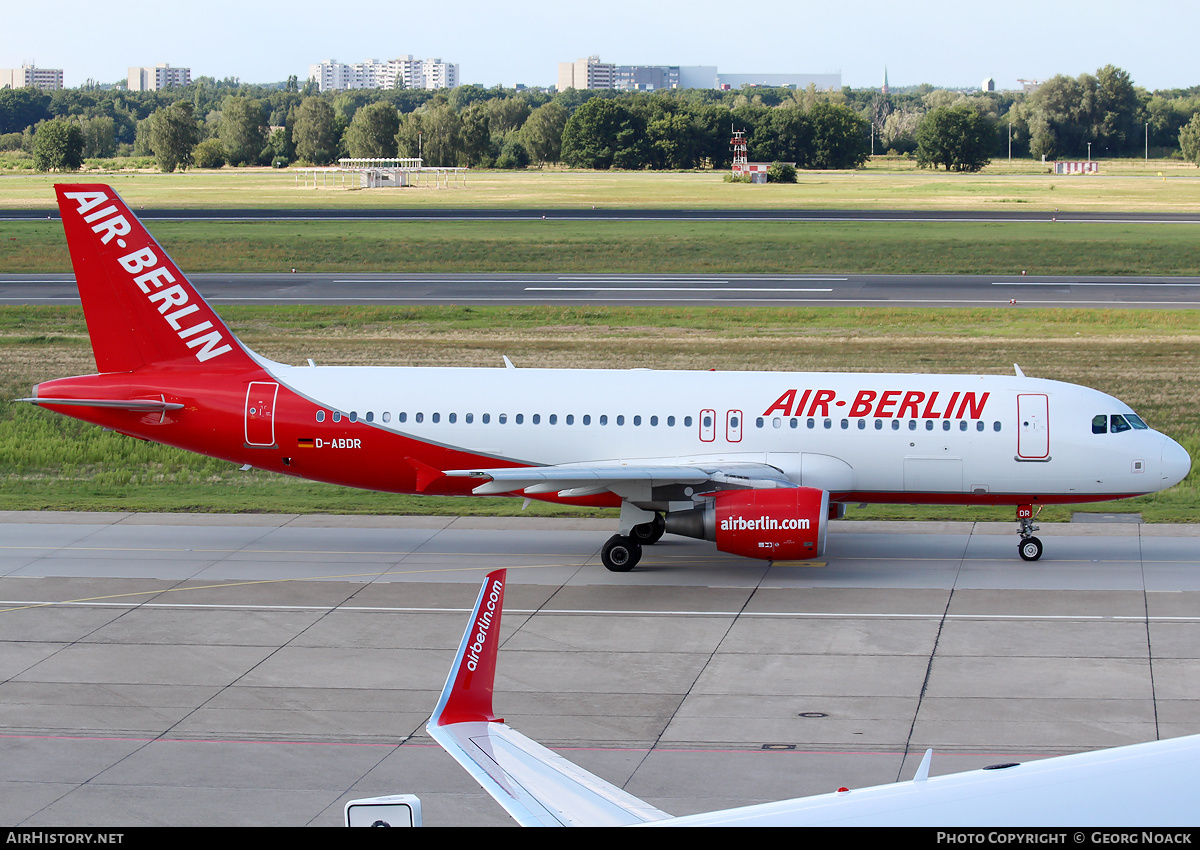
{"x": 535, "y": 786}
{"x": 140, "y": 309}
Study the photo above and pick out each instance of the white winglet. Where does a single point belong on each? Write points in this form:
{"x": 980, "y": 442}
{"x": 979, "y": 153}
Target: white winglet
{"x": 535, "y": 786}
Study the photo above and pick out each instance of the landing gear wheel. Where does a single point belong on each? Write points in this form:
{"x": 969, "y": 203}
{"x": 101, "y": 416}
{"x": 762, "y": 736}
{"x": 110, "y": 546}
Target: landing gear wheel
{"x": 620, "y": 554}
{"x": 1030, "y": 548}
{"x": 649, "y": 533}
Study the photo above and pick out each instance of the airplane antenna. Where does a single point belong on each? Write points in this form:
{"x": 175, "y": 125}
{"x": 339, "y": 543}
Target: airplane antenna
{"x": 1020, "y": 374}
{"x": 507, "y": 363}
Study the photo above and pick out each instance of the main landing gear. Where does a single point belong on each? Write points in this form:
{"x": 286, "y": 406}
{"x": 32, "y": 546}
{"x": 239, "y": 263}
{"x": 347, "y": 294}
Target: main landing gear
{"x": 621, "y": 553}
{"x": 1029, "y": 547}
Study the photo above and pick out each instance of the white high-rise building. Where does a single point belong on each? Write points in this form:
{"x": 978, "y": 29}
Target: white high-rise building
{"x": 46, "y": 79}
{"x": 588, "y": 73}
{"x": 158, "y": 77}
{"x": 403, "y": 72}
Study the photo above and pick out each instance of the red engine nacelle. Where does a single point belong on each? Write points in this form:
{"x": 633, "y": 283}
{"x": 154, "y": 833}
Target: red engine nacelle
{"x": 776, "y": 525}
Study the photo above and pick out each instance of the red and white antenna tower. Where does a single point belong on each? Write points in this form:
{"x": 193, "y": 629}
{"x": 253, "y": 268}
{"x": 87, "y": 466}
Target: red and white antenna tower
{"x": 740, "y": 151}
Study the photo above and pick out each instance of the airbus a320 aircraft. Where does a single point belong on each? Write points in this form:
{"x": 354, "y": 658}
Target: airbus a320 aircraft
{"x": 756, "y": 462}
{"x": 1141, "y": 785}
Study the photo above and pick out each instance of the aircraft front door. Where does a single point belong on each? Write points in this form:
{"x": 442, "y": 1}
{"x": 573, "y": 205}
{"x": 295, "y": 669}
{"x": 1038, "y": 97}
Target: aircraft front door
{"x": 1033, "y": 426}
{"x": 260, "y": 413}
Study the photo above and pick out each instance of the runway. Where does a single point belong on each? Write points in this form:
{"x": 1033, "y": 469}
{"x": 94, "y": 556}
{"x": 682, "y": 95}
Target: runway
{"x": 656, "y": 289}
{"x": 264, "y": 669}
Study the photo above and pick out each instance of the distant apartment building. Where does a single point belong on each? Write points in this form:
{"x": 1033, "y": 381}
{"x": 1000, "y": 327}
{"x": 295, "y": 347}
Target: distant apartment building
{"x": 403, "y": 72}
{"x": 158, "y": 77}
{"x": 46, "y": 79}
{"x": 591, "y": 73}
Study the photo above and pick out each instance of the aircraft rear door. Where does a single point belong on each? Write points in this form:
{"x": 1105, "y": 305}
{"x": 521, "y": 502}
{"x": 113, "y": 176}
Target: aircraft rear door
{"x": 1033, "y": 426}
{"x": 260, "y": 413}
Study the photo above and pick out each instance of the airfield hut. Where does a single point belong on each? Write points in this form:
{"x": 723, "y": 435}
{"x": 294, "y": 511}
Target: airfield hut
{"x": 381, "y": 173}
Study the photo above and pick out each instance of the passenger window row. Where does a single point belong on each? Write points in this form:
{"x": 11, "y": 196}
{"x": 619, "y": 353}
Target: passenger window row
{"x": 654, "y": 421}
{"x": 504, "y": 418}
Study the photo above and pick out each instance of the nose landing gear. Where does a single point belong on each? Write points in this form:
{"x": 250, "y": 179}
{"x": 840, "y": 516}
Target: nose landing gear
{"x": 1029, "y": 547}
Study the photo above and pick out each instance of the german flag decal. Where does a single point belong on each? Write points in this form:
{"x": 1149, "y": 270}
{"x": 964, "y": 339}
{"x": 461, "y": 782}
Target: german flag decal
{"x": 305, "y": 443}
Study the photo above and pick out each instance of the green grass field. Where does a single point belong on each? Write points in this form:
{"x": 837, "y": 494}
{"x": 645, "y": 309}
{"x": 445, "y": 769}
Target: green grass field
{"x": 1040, "y": 248}
{"x": 886, "y": 183}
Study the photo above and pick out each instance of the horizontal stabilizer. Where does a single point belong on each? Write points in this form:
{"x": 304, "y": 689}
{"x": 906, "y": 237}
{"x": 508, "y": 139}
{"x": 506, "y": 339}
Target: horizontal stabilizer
{"x": 116, "y": 404}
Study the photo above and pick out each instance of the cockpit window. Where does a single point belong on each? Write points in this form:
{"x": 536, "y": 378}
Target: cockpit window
{"x": 1118, "y": 423}
{"x": 1100, "y": 424}
{"x": 1136, "y": 422}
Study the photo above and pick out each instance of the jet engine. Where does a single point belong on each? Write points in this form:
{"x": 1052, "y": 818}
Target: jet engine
{"x": 777, "y": 525}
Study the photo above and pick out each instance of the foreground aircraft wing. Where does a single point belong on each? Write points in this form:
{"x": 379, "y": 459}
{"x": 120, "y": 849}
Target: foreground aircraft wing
{"x": 582, "y": 479}
{"x": 1143, "y": 785}
{"x": 535, "y": 786}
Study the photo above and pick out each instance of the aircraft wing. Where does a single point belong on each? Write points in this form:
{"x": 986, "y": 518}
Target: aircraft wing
{"x": 535, "y": 786}
{"x": 1142, "y": 785}
{"x": 585, "y": 479}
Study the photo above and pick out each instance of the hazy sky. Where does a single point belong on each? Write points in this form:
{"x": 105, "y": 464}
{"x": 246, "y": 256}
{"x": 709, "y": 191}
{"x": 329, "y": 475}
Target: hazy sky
{"x": 952, "y": 44}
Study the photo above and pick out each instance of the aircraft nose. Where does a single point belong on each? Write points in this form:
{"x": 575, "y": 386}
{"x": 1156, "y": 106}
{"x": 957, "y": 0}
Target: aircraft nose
{"x": 1176, "y": 463}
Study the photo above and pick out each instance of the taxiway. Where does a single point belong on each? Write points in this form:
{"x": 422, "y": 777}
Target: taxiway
{"x": 263, "y": 670}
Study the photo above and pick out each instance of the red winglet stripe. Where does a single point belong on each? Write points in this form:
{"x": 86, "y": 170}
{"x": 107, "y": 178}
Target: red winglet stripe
{"x": 470, "y": 698}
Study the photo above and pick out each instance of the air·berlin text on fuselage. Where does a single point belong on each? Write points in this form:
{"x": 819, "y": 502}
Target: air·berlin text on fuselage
{"x": 882, "y": 404}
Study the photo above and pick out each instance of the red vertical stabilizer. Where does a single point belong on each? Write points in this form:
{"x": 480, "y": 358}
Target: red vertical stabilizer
{"x": 140, "y": 308}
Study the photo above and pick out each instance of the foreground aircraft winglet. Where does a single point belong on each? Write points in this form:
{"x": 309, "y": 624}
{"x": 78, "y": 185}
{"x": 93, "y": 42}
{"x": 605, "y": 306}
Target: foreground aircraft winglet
{"x": 1141, "y": 785}
{"x": 535, "y": 786}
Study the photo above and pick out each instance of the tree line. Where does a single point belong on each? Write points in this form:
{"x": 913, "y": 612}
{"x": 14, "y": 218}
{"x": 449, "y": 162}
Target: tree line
{"x": 213, "y": 123}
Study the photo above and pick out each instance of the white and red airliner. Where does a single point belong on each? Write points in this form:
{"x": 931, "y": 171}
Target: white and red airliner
{"x": 1141, "y": 785}
{"x": 755, "y": 461}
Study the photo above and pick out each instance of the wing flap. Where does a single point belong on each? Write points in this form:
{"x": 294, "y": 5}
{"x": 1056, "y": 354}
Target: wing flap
{"x": 599, "y": 477}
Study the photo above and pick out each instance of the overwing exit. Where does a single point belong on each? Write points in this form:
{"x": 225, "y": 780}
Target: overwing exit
{"x": 756, "y": 462}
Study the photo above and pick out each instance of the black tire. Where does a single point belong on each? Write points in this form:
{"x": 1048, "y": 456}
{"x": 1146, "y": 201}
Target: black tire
{"x": 620, "y": 554}
{"x": 649, "y": 533}
{"x": 1030, "y": 549}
